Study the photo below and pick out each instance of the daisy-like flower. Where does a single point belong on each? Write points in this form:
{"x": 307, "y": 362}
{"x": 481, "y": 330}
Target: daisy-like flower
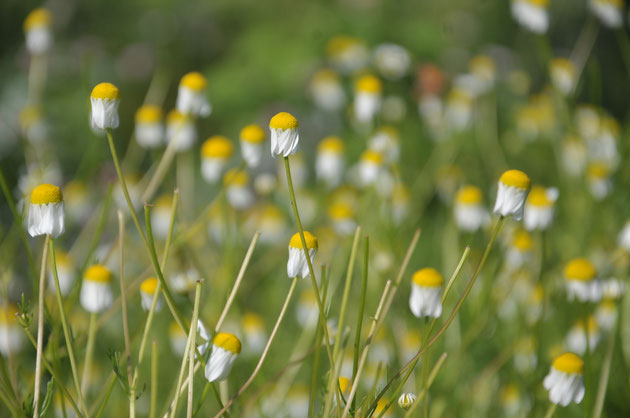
{"x": 184, "y": 281}
{"x": 539, "y": 208}
{"x": 565, "y": 381}
{"x": 483, "y": 69}
{"x": 574, "y": 155}
{"x": 79, "y": 203}
{"x": 32, "y": 124}
{"x": 563, "y": 75}
{"x": 285, "y": 137}
{"x": 252, "y": 138}
{"x": 215, "y": 153}
{"x": 96, "y": 292}
{"x": 341, "y": 215}
{"x": 11, "y": 333}
{"x": 225, "y": 349}
{"x": 149, "y": 131}
{"x": 609, "y": 12}
{"x": 386, "y": 141}
{"x": 367, "y": 97}
{"x": 587, "y": 121}
{"x": 161, "y": 215}
{"x": 606, "y": 314}
{"x": 181, "y": 129}
{"x": 391, "y": 60}
{"x": 254, "y": 330}
{"x": 347, "y": 54}
{"x": 37, "y": 28}
{"x": 458, "y": 112}
{"x": 577, "y": 337}
{"x": 532, "y": 14}
{"x": 270, "y": 221}
{"x": 297, "y": 266}
{"x": 46, "y": 214}
{"x": 330, "y": 162}
{"x": 191, "y": 99}
{"x": 105, "y": 99}
{"x": 426, "y": 293}
{"x": 510, "y": 400}
{"x": 599, "y": 180}
{"x": 603, "y": 148}
{"x": 519, "y": 253}
{"x": 65, "y": 272}
{"x": 406, "y": 400}
{"x": 370, "y": 167}
{"x": 178, "y": 338}
{"x": 307, "y": 309}
{"x": 237, "y": 188}
{"x": 326, "y": 90}
{"x": 513, "y": 189}
{"x": 470, "y": 214}
{"x": 147, "y": 291}
{"x": 400, "y": 203}
{"x": 581, "y": 281}
{"x": 525, "y": 358}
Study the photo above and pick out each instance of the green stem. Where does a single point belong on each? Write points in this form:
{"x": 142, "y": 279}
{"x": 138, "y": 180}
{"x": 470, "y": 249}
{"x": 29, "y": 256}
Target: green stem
{"x": 357, "y": 337}
{"x": 40, "y": 327}
{"x": 89, "y": 351}
{"x": 101, "y": 409}
{"x": 603, "y": 379}
{"x": 317, "y": 355}
{"x": 154, "y": 377}
{"x": 551, "y": 410}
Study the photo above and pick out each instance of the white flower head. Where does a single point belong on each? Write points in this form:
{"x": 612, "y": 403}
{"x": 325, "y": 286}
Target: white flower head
{"x": 191, "y": 99}
{"x": 216, "y": 151}
{"x": 285, "y": 136}
{"x": 148, "y": 287}
{"x": 370, "y": 167}
{"x": 483, "y": 70}
{"x": 46, "y": 213}
{"x": 576, "y": 339}
{"x": 563, "y": 75}
{"x": 426, "y": 293}
{"x": 149, "y": 131}
{"x": 181, "y": 129}
{"x": 406, "y": 400}
{"x": 297, "y": 266}
{"x": 65, "y": 272}
{"x": 330, "y": 161}
{"x": 532, "y": 14}
{"x": 606, "y": 314}
{"x": 539, "y": 208}
{"x": 609, "y": 12}
{"x": 237, "y": 189}
{"x": 599, "y": 180}
{"x": 161, "y": 215}
{"x": 326, "y": 90}
{"x": 386, "y": 141}
{"x": 367, "y": 99}
{"x": 11, "y": 333}
{"x": 348, "y": 54}
{"x": 37, "y": 28}
{"x": 392, "y": 61}
{"x": 470, "y": 214}
{"x": 96, "y": 292}
{"x": 565, "y": 381}
{"x": 581, "y": 281}
{"x": 342, "y": 215}
{"x": 105, "y": 99}
{"x": 225, "y": 349}
{"x": 513, "y": 189}
{"x": 252, "y": 138}
{"x": 254, "y": 330}
{"x": 459, "y": 107}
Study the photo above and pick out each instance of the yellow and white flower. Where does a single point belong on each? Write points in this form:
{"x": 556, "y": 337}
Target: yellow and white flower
{"x": 181, "y": 129}
{"x": 574, "y": 155}
{"x": 191, "y": 99}
{"x": 525, "y": 358}
{"x": 178, "y": 338}
{"x": 46, "y": 214}
{"x": 254, "y": 330}
{"x": 391, "y": 60}
{"x": 270, "y": 221}
{"x": 307, "y": 309}
{"x": 330, "y": 162}
{"x": 609, "y": 12}
{"x": 483, "y": 69}
{"x": 285, "y": 136}
{"x": 510, "y": 400}
{"x": 400, "y": 203}
{"x": 76, "y": 195}
{"x": 347, "y": 54}
{"x": 539, "y": 208}
{"x": 598, "y": 176}
{"x": 459, "y": 108}
{"x": 38, "y": 31}
{"x": 184, "y": 281}
{"x": 613, "y": 288}
{"x": 342, "y": 216}
{"x": 513, "y": 189}
{"x": 225, "y": 349}
{"x": 65, "y": 272}
{"x": 237, "y": 189}
{"x": 563, "y": 75}
{"x": 386, "y": 141}
{"x": 519, "y": 253}
{"x": 147, "y": 291}
{"x": 216, "y": 151}
{"x": 565, "y": 381}
{"x": 252, "y": 138}
{"x": 582, "y": 282}
{"x": 606, "y": 314}
{"x": 426, "y": 293}
{"x": 367, "y": 98}
{"x": 370, "y": 167}
{"x": 32, "y": 124}
{"x": 576, "y": 340}
{"x": 297, "y": 266}
{"x": 161, "y": 215}
{"x": 105, "y": 99}
{"x": 470, "y": 214}
{"x": 149, "y": 131}
{"x": 326, "y": 90}
{"x": 531, "y": 14}
{"x": 406, "y": 400}
{"x": 587, "y": 121}
{"x": 11, "y": 333}
{"x": 603, "y": 147}
{"x": 96, "y": 292}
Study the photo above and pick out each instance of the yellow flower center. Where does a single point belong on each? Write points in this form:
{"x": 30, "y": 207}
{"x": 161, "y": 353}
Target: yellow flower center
{"x": 591, "y": 324}
{"x": 470, "y": 195}
{"x": 539, "y": 3}
{"x": 515, "y": 178}
{"x": 580, "y": 269}
{"x": 105, "y": 91}
{"x": 372, "y": 156}
{"x": 149, "y": 285}
{"x": 174, "y": 116}
{"x": 46, "y": 193}
{"x": 428, "y": 277}
{"x": 311, "y": 241}
{"x": 341, "y": 43}
{"x": 236, "y": 177}
{"x": 522, "y": 241}
{"x": 194, "y": 81}
{"x": 227, "y": 342}
{"x": 283, "y": 120}
{"x": 332, "y": 144}
{"x": 563, "y": 64}
{"x": 598, "y": 171}
{"x": 149, "y": 114}
{"x": 340, "y": 211}
{"x": 7, "y": 313}
{"x": 344, "y": 384}
{"x": 98, "y": 273}
{"x": 569, "y": 363}
{"x": 164, "y": 201}
{"x": 217, "y": 146}
{"x": 252, "y": 322}
{"x": 30, "y": 115}
{"x": 37, "y": 18}
{"x": 481, "y": 63}
{"x": 326, "y": 76}
{"x": 253, "y": 133}
{"x": 369, "y": 84}
{"x": 538, "y": 197}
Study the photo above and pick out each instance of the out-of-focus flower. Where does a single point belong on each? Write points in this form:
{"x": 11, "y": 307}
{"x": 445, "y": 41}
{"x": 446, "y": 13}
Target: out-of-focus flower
{"x": 367, "y": 98}
{"x": 483, "y": 69}
{"x": 38, "y": 31}
{"x": 297, "y": 400}
{"x": 426, "y": 293}
{"x": 406, "y": 400}
{"x": 400, "y": 203}
{"x": 341, "y": 215}
{"x": 347, "y": 54}
{"x": 587, "y": 121}
{"x": 563, "y": 75}
{"x": 65, "y": 272}
{"x": 330, "y": 162}
{"x": 603, "y": 147}
{"x": 285, "y": 137}
{"x": 105, "y": 99}
{"x": 96, "y": 292}
{"x": 450, "y": 177}
{"x": 326, "y": 90}
{"x": 270, "y": 221}
{"x": 252, "y": 138}
{"x": 532, "y": 14}
{"x": 577, "y": 338}
{"x": 265, "y": 183}
{"x": 237, "y": 188}
{"x": 565, "y": 381}
{"x": 391, "y": 60}
{"x": 184, "y": 281}
{"x": 609, "y": 12}
{"x": 191, "y": 99}
{"x": 297, "y": 264}
{"x": 537, "y": 118}
{"x": 181, "y": 129}
{"x": 147, "y": 291}
{"x": 470, "y": 214}
{"x": 307, "y": 309}
{"x": 431, "y": 109}
{"x": 574, "y": 155}
{"x": 78, "y": 203}
{"x": 225, "y": 349}
{"x": 510, "y": 400}
{"x": 539, "y": 208}
{"x": 519, "y": 252}
{"x": 599, "y": 180}
{"x": 32, "y": 124}
{"x": 46, "y": 214}
{"x": 370, "y": 167}
{"x": 459, "y": 109}
{"x": 613, "y": 288}
{"x": 254, "y": 331}
{"x": 215, "y": 153}
{"x": 386, "y": 141}
{"x": 149, "y": 131}
{"x": 525, "y": 358}
{"x": 533, "y": 309}
{"x": 513, "y": 189}
{"x": 11, "y": 333}
{"x": 582, "y": 282}
{"x": 161, "y": 215}
{"x": 606, "y": 314}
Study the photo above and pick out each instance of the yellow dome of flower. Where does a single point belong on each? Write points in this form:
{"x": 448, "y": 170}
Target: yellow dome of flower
{"x": 227, "y": 342}
{"x": 283, "y": 120}
{"x": 428, "y": 277}
{"x": 311, "y": 241}
{"x": 46, "y": 193}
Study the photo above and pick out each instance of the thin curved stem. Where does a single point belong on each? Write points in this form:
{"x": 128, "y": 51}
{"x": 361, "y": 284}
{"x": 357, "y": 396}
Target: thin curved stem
{"x": 40, "y": 328}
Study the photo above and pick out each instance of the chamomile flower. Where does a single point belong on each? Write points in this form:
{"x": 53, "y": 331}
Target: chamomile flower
{"x": 565, "y": 381}
{"x": 252, "y": 138}
{"x": 330, "y": 161}
{"x": 11, "y": 333}
{"x": 96, "y": 291}
{"x": 609, "y": 12}
{"x": 254, "y": 330}
{"x": 539, "y": 208}
{"x": 386, "y": 141}
{"x": 148, "y": 288}
{"x": 531, "y": 14}
{"x": 391, "y": 60}
{"x": 265, "y": 183}
{"x": 237, "y": 189}
{"x": 406, "y": 400}
{"x": 581, "y": 281}
{"x": 606, "y": 314}
{"x": 326, "y": 90}
{"x": 587, "y": 121}
{"x": 65, "y": 272}
{"x": 161, "y": 215}
{"x": 46, "y": 214}
{"x": 603, "y": 147}
{"x": 341, "y": 215}
{"x": 598, "y": 176}
{"x": 613, "y": 288}
{"x": 347, "y": 54}
{"x": 470, "y": 214}
{"x": 483, "y": 69}
{"x": 563, "y": 75}
{"x": 513, "y": 189}
{"x": 297, "y": 266}
{"x": 32, "y": 124}
{"x": 577, "y": 339}
{"x": 271, "y": 222}
{"x": 285, "y": 137}
{"x": 458, "y": 113}
{"x": 184, "y": 281}
{"x": 178, "y": 338}
{"x": 307, "y": 309}
{"x": 519, "y": 253}
{"x": 181, "y": 129}
{"x": 215, "y": 153}
{"x": 367, "y": 98}
{"x": 225, "y": 349}
{"x": 574, "y": 155}
{"x": 76, "y": 195}
{"x": 38, "y": 31}
{"x": 510, "y": 400}
{"x": 370, "y": 167}
{"x": 149, "y": 131}
{"x": 400, "y": 203}
{"x": 525, "y": 358}
{"x": 105, "y": 99}
{"x": 191, "y": 99}
{"x": 426, "y": 293}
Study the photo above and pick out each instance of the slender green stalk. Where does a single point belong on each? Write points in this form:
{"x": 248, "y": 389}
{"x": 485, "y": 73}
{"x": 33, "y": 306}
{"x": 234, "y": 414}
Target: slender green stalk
{"x": 551, "y": 410}
{"x": 357, "y": 337}
{"x": 123, "y": 297}
{"x": 605, "y": 375}
{"x": 89, "y": 352}
{"x": 434, "y": 372}
{"x": 40, "y": 328}
{"x": 15, "y": 410}
{"x": 191, "y": 354}
{"x": 101, "y": 409}
{"x": 317, "y": 355}
{"x": 154, "y": 378}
